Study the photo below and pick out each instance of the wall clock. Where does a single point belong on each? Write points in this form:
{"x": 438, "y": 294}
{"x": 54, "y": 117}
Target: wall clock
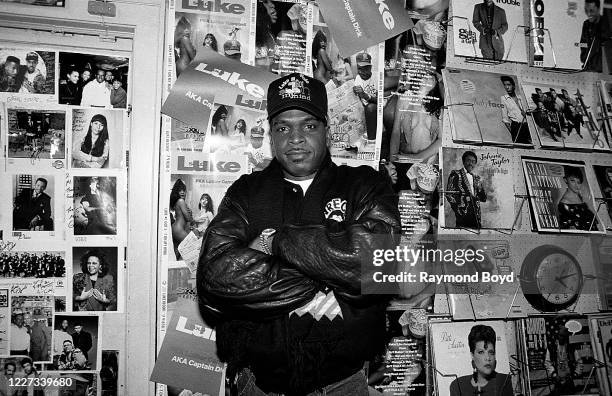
{"x": 551, "y": 278}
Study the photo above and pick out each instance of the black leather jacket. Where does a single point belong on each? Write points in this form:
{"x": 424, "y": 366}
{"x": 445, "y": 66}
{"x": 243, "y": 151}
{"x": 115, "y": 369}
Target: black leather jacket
{"x": 320, "y": 244}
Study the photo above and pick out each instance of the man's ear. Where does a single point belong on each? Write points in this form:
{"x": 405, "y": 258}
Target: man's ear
{"x": 327, "y": 136}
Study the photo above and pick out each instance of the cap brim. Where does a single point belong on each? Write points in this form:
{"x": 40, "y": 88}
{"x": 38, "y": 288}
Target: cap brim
{"x": 364, "y": 64}
{"x": 232, "y": 52}
{"x": 301, "y": 105}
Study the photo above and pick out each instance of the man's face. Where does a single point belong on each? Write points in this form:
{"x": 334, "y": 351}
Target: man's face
{"x": 11, "y": 68}
{"x": 365, "y": 72}
{"x": 469, "y": 163}
{"x": 86, "y": 75}
{"x": 100, "y": 76}
{"x": 553, "y": 94}
{"x": 73, "y": 77}
{"x": 109, "y": 76}
{"x": 78, "y": 328}
{"x": 489, "y": 2}
{"x": 67, "y": 346}
{"x": 39, "y": 187}
{"x": 299, "y": 141}
{"x": 538, "y": 92}
{"x": 32, "y": 65}
{"x": 509, "y": 87}
{"x": 591, "y": 11}
{"x": 64, "y": 324}
{"x": 27, "y": 368}
{"x": 10, "y": 370}
{"x": 234, "y": 56}
{"x": 609, "y": 175}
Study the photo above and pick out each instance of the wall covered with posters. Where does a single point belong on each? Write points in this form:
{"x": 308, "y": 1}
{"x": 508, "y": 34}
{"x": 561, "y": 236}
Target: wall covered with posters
{"x": 70, "y": 118}
{"x": 496, "y": 135}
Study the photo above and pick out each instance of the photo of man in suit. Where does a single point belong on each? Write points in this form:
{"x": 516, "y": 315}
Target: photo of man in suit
{"x": 490, "y": 20}
{"x": 465, "y": 191}
{"x": 32, "y": 210}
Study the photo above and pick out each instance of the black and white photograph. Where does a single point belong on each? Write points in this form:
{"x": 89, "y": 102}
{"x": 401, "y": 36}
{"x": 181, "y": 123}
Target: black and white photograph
{"x": 280, "y": 36}
{"x": 97, "y": 138}
{"x": 32, "y": 264}
{"x": 31, "y": 325}
{"x": 36, "y": 134}
{"x": 604, "y": 178}
{"x": 27, "y": 71}
{"x": 34, "y": 199}
{"x": 76, "y": 345}
{"x": 563, "y": 117}
{"x": 95, "y": 205}
{"x": 93, "y": 80}
{"x": 94, "y": 279}
{"x": 13, "y": 369}
{"x": 560, "y": 197}
{"x": 109, "y": 372}
{"x": 5, "y": 321}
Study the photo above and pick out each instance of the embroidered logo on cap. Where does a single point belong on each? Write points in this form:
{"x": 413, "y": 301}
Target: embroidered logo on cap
{"x": 294, "y": 88}
{"x": 336, "y": 209}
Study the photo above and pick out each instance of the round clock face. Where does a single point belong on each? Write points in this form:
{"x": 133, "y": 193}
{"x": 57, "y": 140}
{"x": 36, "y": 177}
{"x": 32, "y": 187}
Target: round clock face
{"x": 559, "y": 278}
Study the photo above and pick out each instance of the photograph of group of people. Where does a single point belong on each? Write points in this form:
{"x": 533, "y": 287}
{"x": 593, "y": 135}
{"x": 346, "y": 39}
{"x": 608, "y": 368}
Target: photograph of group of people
{"x": 76, "y": 344}
{"x": 562, "y": 118}
{"x": 30, "y": 329}
{"x": 32, "y": 264}
{"x": 93, "y": 80}
{"x": 27, "y": 71}
{"x": 36, "y": 134}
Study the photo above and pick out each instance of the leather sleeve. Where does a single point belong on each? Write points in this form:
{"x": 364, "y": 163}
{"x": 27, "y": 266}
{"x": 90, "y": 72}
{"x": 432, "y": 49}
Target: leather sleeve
{"x": 237, "y": 281}
{"x": 334, "y": 256}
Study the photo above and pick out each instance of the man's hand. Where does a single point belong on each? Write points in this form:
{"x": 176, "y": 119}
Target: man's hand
{"x": 358, "y": 90}
{"x": 86, "y": 294}
{"x": 256, "y": 244}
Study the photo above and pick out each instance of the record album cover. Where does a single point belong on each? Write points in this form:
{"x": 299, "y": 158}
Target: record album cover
{"x": 477, "y": 35}
{"x": 560, "y": 197}
{"x": 478, "y": 185}
{"x": 486, "y": 107}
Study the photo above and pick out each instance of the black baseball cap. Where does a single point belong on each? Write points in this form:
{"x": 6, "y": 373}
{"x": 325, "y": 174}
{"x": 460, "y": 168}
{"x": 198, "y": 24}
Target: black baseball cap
{"x": 297, "y": 91}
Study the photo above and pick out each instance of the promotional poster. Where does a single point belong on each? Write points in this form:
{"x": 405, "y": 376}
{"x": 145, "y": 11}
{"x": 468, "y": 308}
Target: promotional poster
{"x": 560, "y": 197}
{"x": 478, "y": 187}
{"x": 97, "y": 139}
{"x": 564, "y": 117}
{"x": 358, "y": 25}
{"x": 565, "y": 34}
{"x": 486, "y": 108}
{"x": 187, "y": 358}
{"x": 282, "y": 36}
{"x": 452, "y": 357}
{"x": 215, "y": 78}
{"x": 498, "y": 37}
{"x": 225, "y": 30}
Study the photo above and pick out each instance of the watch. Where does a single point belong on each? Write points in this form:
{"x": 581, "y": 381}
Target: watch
{"x": 263, "y": 239}
{"x": 551, "y": 278}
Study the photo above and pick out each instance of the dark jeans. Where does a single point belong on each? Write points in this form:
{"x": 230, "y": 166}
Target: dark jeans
{"x": 355, "y": 385}
{"x": 520, "y": 132}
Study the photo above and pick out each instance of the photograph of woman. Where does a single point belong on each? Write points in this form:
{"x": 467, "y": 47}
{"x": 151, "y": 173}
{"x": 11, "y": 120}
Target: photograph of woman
{"x": 95, "y": 212}
{"x": 93, "y": 149}
{"x": 575, "y": 210}
{"x": 210, "y": 41}
{"x": 205, "y": 214}
{"x": 184, "y": 51}
{"x": 323, "y": 68}
{"x": 181, "y": 217}
{"x": 94, "y": 287}
{"x": 485, "y": 381}
{"x": 219, "y": 123}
